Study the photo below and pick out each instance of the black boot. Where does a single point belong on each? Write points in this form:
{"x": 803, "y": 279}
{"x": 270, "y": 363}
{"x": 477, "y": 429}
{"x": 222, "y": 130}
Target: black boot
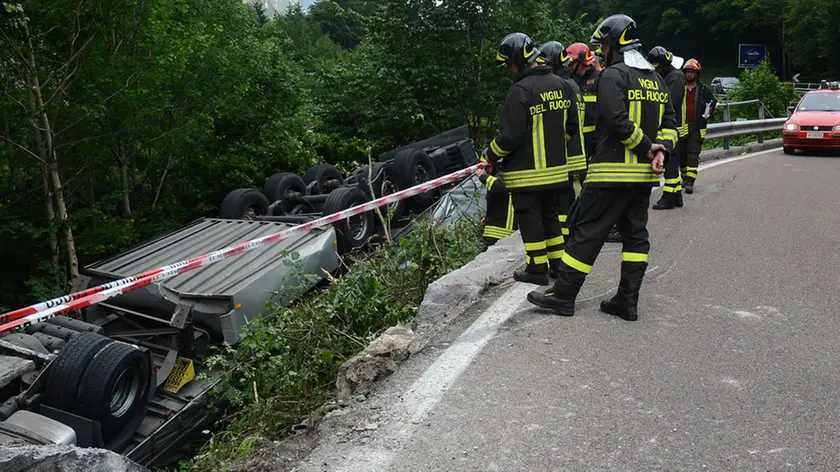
{"x": 625, "y": 303}
{"x": 561, "y": 298}
{"x": 678, "y": 199}
{"x": 667, "y": 202}
{"x": 554, "y": 269}
{"x": 529, "y": 277}
{"x": 688, "y": 185}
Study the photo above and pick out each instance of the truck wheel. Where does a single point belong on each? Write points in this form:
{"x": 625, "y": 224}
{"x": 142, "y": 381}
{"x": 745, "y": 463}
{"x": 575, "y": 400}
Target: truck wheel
{"x": 279, "y": 186}
{"x": 352, "y": 232}
{"x": 115, "y": 387}
{"x": 328, "y": 177}
{"x": 243, "y": 203}
{"x": 66, "y": 371}
{"x": 385, "y": 182}
{"x": 413, "y": 167}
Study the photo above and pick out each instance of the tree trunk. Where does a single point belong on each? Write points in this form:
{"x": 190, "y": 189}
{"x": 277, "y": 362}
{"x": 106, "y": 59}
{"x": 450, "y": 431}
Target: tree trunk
{"x": 50, "y": 211}
{"x": 51, "y": 159}
{"x": 125, "y": 182}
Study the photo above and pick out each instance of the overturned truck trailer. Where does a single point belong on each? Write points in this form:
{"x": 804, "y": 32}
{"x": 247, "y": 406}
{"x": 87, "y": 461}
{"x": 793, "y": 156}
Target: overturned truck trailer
{"x": 123, "y": 375}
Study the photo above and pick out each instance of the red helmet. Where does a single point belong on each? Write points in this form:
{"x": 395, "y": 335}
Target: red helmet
{"x": 693, "y": 65}
{"x": 580, "y": 52}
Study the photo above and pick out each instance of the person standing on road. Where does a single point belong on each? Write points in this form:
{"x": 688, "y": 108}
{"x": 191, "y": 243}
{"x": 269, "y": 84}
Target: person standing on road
{"x": 499, "y": 221}
{"x": 668, "y": 66}
{"x": 538, "y": 117}
{"x": 636, "y": 132}
{"x": 586, "y": 69}
{"x": 553, "y": 54}
{"x": 700, "y": 106}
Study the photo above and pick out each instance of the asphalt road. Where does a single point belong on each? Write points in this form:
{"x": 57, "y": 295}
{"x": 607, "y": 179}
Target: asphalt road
{"x": 733, "y": 364}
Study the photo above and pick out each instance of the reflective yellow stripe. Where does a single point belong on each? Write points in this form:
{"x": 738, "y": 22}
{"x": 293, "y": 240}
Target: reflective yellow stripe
{"x": 509, "y": 222}
{"x": 661, "y": 114}
{"x": 589, "y": 129}
{"x": 540, "y": 260}
{"x": 634, "y": 257}
{"x": 683, "y": 122}
{"x": 667, "y": 189}
{"x": 538, "y": 141}
{"x": 490, "y": 181}
{"x": 689, "y": 174}
{"x": 576, "y": 264}
{"x": 562, "y": 218}
{"x": 496, "y": 232}
{"x": 554, "y": 241}
{"x": 672, "y": 181}
{"x": 538, "y": 246}
{"x": 565, "y": 231}
{"x": 617, "y": 172}
{"x": 703, "y": 132}
{"x": 634, "y": 140}
{"x": 497, "y": 150}
{"x": 535, "y": 177}
{"x": 555, "y": 254}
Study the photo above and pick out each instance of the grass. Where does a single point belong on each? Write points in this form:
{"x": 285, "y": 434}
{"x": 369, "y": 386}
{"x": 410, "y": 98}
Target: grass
{"x": 287, "y": 362}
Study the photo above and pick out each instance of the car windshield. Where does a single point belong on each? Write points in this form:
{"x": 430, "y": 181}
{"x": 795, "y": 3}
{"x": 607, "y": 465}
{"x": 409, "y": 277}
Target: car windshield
{"x": 820, "y": 102}
{"x": 729, "y": 81}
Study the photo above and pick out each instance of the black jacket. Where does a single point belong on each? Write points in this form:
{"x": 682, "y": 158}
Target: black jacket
{"x": 634, "y": 110}
{"x": 588, "y": 84}
{"x": 675, "y": 79}
{"x": 576, "y": 159}
{"x": 703, "y": 96}
{"x": 538, "y": 118}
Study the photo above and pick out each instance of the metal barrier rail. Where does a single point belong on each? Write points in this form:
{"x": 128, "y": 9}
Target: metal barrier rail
{"x": 729, "y": 129}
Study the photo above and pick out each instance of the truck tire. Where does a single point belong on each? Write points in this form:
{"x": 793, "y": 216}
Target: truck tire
{"x": 66, "y": 371}
{"x": 115, "y": 387}
{"x": 385, "y": 182}
{"x": 413, "y": 167}
{"x": 328, "y": 177}
{"x": 352, "y": 232}
{"x": 241, "y": 203}
{"x": 277, "y": 187}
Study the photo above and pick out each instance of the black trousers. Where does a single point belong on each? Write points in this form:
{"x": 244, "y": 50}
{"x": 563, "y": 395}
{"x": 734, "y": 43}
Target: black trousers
{"x": 538, "y": 214}
{"x": 672, "y": 171}
{"x": 499, "y": 221}
{"x": 599, "y": 209}
{"x": 690, "y": 153}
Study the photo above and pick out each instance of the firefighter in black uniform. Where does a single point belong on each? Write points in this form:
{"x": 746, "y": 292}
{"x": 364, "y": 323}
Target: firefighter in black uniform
{"x": 668, "y": 66}
{"x": 538, "y": 117}
{"x": 700, "y": 106}
{"x": 499, "y": 221}
{"x": 553, "y": 54}
{"x": 636, "y": 132}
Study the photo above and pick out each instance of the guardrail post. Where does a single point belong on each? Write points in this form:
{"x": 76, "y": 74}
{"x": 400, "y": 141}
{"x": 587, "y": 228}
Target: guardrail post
{"x": 760, "y": 117}
{"x": 726, "y": 118}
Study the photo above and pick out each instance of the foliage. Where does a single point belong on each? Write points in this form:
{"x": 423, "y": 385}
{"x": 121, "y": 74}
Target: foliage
{"x": 286, "y": 364}
{"x": 762, "y": 83}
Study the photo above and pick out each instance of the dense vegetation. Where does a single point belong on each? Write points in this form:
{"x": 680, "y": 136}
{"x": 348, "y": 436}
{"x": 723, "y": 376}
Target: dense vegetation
{"x": 122, "y": 119}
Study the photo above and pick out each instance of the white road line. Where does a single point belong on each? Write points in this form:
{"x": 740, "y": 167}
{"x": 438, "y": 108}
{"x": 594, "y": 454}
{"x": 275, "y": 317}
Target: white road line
{"x": 708, "y": 165}
{"x": 427, "y": 391}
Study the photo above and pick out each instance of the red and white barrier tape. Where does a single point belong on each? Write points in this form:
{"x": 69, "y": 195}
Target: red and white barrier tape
{"x": 19, "y": 319}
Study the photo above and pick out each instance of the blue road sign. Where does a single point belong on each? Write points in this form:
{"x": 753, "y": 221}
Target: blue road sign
{"x": 751, "y": 55}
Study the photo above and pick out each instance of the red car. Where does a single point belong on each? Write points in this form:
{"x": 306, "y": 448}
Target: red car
{"x": 815, "y": 123}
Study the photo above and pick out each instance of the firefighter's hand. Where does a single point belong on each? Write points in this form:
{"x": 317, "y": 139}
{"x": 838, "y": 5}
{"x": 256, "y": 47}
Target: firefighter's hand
{"x": 479, "y": 172}
{"x": 657, "y": 164}
{"x": 654, "y": 148}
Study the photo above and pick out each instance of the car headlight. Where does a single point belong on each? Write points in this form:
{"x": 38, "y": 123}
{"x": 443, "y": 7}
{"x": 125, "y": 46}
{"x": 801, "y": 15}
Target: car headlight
{"x": 837, "y": 128}
{"x": 792, "y": 127}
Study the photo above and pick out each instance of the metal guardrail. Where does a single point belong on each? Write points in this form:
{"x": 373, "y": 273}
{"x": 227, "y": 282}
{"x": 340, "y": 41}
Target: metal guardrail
{"x": 737, "y": 128}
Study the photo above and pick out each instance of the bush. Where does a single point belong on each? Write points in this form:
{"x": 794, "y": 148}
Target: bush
{"x": 287, "y": 362}
{"x": 762, "y": 83}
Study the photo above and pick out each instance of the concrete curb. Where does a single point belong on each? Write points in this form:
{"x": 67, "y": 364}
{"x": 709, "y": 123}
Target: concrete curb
{"x": 717, "y": 154}
{"x": 449, "y": 296}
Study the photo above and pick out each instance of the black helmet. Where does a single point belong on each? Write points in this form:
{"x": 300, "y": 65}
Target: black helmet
{"x": 517, "y": 48}
{"x": 660, "y": 57}
{"x": 554, "y": 54}
{"x": 619, "y": 31}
